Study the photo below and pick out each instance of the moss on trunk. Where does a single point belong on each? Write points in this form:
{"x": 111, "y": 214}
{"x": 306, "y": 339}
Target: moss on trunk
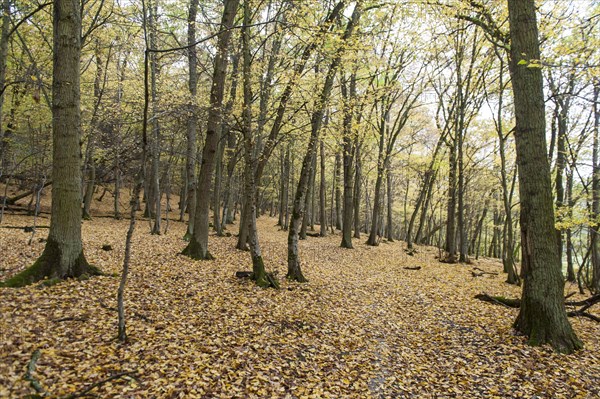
{"x": 260, "y": 276}
{"x": 546, "y": 327}
{"x": 50, "y": 265}
{"x": 195, "y": 251}
{"x": 296, "y": 275}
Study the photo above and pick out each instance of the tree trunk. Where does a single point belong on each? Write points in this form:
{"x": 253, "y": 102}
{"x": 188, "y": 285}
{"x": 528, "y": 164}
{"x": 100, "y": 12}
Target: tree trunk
{"x": 63, "y": 254}
{"x": 322, "y": 193}
{"x": 338, "y": 191}
{"x": 198, "y": 246}
{"x": 595, "y": 231}
{"x": 390, "y": 216}
{"x": 357, "y": 177}
{"x": 450, "y": 246}
{"x": 5, "y": 13}
{"x": 192, "y": 121}
{"x": 294, "y": 270}
{"x": 542, "y": 316}
{"x": 89, "y": 164}
{"x": 154, "y": 195}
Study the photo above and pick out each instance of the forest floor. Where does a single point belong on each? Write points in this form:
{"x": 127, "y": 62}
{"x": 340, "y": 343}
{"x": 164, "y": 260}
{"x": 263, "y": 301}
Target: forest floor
{"x": 363, "y": 327}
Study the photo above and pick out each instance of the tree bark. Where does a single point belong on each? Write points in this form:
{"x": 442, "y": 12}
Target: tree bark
{"x": 348, "y": 147}
{"x": 390, "y": 203}
{"x": 5, "y": 13}
{"x": 198, "y": 246}
{"x": 322, "y": 192}
{"x": 192, "y": 122}
{"x": 542, "y": 316}
{"x": 63, "y": 254}
{"x": 357, "y": 194}
{"x": 294, "y": 270}
{"x": 595, "y": 233}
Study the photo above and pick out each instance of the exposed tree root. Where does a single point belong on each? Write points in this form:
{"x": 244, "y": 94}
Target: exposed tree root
{"x": 516, "y": 303}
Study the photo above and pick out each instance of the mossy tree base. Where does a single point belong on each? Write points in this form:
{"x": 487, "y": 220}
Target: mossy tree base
{"x": 260, "y": 276}
{"x": 297, "y": 276}
{"x": 196, "y": 251}
{"x": 50, "y": 266}
{"x": 541, "y": 331}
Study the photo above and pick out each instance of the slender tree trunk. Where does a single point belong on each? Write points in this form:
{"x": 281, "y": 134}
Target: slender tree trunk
{"x": 561, "y": 163}
{"x": 198, "y": 246}
{"x": 450, "y": 246}
{"x": 390, "y": 216}
{"x": 357, "y": 193}
{"x": 259, "y": 274}
{"x": 338, "y": 191}
{"x": 89, "y": 164}
{"x": 322, "y": 192}
{"x": 349, "y": 95}
{"x": 5, "y": 13}
{"x": 542, "y": 316}
{"x": 304, "y": 227}
{"x": 156, "y": 147}
{"x": 595, "y": 231}
{"x": 294, "y": 270}
{"x": 192, "y": 121}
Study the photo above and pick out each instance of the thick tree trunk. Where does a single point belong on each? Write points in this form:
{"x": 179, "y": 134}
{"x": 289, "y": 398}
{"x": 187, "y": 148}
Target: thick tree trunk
{"x": 542, "y": 316}
{"x": 63, "y": 254}
{"x": 198, "y": 246}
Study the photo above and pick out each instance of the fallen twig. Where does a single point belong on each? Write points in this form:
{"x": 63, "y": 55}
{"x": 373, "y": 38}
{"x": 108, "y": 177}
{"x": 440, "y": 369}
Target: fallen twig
{"x": 70, "y": 318}
{"x": 99, "y": 383}
{"x": 35, "y": 384}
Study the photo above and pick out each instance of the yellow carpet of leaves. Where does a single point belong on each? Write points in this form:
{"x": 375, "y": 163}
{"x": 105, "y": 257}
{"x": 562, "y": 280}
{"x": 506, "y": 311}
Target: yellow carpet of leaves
{"x": 363, "y": 327}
